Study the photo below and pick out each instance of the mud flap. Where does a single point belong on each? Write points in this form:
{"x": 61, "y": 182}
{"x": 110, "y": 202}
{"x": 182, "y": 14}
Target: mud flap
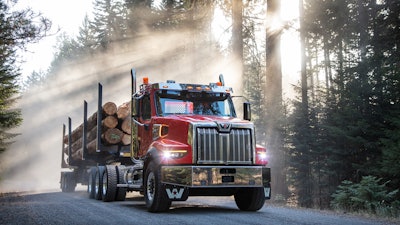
{"x": 266, "y": 173}
{"x": 177, "y": 193}
{"x": 267, "y": 192}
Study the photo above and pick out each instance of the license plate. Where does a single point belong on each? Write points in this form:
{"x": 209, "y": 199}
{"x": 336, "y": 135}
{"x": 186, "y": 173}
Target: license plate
{"x": 228, "y": 179}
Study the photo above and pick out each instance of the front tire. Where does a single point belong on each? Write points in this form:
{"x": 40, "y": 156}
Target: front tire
{"x": 250, "y": 199}
{"x": 154, "y": 193}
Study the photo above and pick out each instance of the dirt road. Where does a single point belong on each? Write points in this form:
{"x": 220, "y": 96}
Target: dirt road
{"x": 76, "y": 208}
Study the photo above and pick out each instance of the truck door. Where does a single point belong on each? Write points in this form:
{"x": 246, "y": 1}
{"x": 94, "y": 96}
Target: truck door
{"x": 144, "y": 132}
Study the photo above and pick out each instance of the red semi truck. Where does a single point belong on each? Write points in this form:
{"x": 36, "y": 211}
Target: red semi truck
{"x": 186, "y": 140}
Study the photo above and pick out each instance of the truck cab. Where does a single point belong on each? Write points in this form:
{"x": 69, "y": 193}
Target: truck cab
{"x": 191, "y": 143}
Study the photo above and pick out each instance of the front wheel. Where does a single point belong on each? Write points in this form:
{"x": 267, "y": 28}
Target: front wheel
{"x": 154, "y": 193}
{"x": 250, "y": 199}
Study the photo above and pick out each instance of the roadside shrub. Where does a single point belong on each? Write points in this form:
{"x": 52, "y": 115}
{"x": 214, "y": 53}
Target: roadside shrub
{"x": 370, "y": 195}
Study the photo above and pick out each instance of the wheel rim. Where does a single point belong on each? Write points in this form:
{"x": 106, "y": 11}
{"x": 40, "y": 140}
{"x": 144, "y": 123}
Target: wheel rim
{"x": 150, "y": 186}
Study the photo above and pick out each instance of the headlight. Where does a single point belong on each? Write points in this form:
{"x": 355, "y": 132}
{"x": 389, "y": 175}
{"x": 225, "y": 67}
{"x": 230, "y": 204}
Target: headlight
{"x": 262, "y": 155}
{"x": 174, "y": 154}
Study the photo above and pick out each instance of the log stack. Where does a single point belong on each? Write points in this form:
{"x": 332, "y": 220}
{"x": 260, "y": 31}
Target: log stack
{"x": 115, "y": 127}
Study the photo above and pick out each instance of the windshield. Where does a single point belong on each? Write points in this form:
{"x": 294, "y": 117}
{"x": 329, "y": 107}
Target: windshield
{"x": 197, "y": 103}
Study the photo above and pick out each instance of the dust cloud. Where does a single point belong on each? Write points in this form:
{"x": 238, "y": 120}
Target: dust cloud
{"x": 34, "y": 161}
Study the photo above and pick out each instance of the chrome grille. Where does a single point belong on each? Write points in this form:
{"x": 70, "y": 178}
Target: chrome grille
{"x": 215, "y": 147}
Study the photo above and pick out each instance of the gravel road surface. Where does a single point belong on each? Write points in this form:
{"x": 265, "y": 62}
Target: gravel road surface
{"x": 76, "y": 208}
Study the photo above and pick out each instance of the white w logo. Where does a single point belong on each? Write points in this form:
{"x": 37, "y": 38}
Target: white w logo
{"x": 175, "y": 194}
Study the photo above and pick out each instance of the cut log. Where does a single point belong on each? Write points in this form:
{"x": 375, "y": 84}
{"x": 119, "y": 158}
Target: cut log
{"x": 77, "y": 132}
{"x": 112, "y": 136}
{"x": 77, "y": 155}
{"x": 126, "y": 139}
{"x": 91, "y": 147}
{"x": 126, "y": 125}
{"x": 91, "y": 135}
{"x": 110, "y": 122}
{"x": 110, "y": 108}
{"x": 124, "y": 110}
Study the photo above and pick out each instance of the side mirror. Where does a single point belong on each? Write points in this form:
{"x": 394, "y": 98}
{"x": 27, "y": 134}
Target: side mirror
{"x": 247, "y": 111}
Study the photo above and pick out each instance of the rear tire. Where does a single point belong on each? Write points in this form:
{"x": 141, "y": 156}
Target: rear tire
{"x": 110, "y": 180}
{"x": 250, "y": 199}
{"x": 92, "y": 182}
{"x": 68, "y": 182}
{"x": 121, "y": 192}
{"x": 154, "y": 193}
{"x": 99, "y": 183}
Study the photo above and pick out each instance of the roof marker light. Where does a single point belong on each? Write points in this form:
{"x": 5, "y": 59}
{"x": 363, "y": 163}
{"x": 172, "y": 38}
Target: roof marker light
{"x": 145, "y": 80}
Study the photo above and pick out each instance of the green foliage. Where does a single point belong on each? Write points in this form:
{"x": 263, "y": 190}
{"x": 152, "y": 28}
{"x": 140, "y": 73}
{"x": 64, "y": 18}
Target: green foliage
{"x": 369, "y": 195}
{"x": 17, "y": 28}
{"x": 350, "y": 127}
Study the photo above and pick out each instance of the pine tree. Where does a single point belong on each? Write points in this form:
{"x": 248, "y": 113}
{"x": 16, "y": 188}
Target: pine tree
{"x": 109, "y": 22}
{"x": 17, "y": 28}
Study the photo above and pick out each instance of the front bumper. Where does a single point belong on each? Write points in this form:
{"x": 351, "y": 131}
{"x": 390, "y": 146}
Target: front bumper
{"x": 216, "y": 176}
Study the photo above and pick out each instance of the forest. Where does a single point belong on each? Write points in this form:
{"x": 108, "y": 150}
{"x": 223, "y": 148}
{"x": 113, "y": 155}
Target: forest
{"x": 336, "y": 143}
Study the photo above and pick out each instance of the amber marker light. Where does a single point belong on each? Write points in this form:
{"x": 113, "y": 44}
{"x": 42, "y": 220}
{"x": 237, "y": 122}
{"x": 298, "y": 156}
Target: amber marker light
{"x": 145, "y": 80}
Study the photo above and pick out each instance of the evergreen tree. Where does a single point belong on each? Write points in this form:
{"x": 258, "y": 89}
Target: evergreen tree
{"x": 350, "y": 131}
{"x": 17, "y": 28}
{"x": 109, "y": 22}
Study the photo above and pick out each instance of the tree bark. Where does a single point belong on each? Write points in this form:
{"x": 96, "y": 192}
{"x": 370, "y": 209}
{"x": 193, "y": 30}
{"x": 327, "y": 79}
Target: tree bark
{"x": 273, "y": 96}
{"x": 237, "y": 39}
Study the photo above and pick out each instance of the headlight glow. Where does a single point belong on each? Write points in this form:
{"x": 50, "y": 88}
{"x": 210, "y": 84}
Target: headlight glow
{"x": 174, "y": 154}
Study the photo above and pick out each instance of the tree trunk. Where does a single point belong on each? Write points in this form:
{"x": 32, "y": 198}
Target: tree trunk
{"x": 237, "y": 39}
{"x": 273, "y": 96}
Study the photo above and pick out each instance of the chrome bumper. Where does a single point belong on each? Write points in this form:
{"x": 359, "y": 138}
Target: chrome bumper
{"x": 216, "y": 176}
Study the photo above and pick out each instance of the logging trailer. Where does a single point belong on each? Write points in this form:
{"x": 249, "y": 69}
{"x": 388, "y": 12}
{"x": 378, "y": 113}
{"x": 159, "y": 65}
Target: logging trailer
{"x": 183, "y": 140}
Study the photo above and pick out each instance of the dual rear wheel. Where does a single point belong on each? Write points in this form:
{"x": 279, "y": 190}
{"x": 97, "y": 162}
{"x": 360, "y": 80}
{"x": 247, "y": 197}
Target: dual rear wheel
{"x": 102, "y": 183}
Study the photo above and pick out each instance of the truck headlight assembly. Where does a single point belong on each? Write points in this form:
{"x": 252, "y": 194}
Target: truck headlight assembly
{"x": 174, "y": 154}
{"x": 261, "y": 157}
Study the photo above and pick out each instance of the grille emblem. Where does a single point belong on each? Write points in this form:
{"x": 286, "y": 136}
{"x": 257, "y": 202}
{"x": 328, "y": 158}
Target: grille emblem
{"x": 224, "y": 127}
